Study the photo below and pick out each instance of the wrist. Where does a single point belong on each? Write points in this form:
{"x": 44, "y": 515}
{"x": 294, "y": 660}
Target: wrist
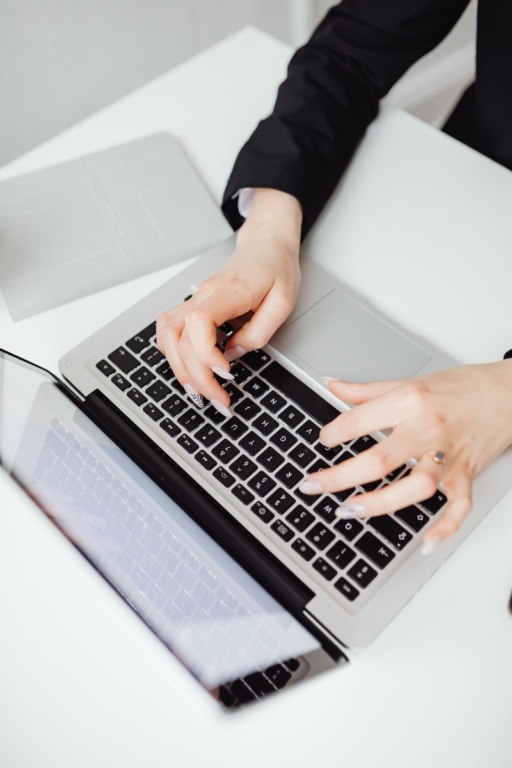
{"x": 275, "y": 216}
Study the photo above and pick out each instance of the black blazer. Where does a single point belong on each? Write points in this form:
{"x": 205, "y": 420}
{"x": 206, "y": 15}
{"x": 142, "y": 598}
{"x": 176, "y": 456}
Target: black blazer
{"x": 336, "y": 80}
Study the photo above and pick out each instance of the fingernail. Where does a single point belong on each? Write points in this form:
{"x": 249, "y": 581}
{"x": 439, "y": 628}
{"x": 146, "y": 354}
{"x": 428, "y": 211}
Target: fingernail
{"x": 310, "y": 488}
{"x": 222, "y": 373}
{"x": 349, "y": 511}
{"x": 432, "y": 544}
{"x": 233, "y": 353}
{"x": 194, "y": 395}
{"x": 220, "y": 408}
{"x": 327, "y": 379}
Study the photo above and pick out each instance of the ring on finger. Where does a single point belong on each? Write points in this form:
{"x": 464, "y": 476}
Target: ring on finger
{"x": 435, "y": 456}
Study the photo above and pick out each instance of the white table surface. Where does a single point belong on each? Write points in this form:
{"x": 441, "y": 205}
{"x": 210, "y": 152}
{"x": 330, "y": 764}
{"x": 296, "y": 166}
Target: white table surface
{"x": 423, "y": 227}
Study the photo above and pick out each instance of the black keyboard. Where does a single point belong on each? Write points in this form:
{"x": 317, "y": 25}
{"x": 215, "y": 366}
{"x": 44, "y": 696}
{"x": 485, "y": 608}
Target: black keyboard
{"x": 264, "y": 451}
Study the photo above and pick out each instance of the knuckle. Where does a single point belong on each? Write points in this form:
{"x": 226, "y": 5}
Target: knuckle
{"x": 416, "y": 397}
{"x": 254, "y": 338}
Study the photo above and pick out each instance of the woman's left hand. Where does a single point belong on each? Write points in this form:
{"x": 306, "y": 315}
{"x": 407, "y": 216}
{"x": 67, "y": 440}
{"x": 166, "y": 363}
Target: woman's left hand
{"x": 463, "y": 412}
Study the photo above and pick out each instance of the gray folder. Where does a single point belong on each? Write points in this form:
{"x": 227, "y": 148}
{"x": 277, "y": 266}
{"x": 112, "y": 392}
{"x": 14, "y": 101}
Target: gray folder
{"x": 91, "y": 223}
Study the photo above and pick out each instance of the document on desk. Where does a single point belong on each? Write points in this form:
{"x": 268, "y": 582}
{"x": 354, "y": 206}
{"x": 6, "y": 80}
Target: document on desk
{"x": 91, "y": 223}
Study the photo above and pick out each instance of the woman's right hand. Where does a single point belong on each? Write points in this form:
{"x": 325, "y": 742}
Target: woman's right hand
{"x": 262, "y": 276}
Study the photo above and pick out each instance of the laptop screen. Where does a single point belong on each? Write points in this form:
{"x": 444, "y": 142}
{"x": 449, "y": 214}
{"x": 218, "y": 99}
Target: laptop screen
{"x": 229, "y": 632}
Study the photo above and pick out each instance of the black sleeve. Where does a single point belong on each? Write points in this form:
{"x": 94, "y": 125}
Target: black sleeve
{"x": 331, "y": 94}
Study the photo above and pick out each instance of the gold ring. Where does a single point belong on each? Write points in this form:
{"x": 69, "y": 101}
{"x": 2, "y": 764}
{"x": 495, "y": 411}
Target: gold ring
{"x": 437, "y": 456}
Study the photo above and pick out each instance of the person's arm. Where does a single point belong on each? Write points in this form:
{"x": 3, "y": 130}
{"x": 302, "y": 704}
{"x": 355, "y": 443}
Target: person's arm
{"x": 331, "y": 94}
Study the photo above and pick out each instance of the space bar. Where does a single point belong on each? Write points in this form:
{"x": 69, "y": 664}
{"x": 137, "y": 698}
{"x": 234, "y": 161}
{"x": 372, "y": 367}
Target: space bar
{"x": 300, "y": 393}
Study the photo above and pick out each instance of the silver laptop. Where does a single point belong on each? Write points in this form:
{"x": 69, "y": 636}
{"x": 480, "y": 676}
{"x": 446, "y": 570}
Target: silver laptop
{"x": 339, "y": 582}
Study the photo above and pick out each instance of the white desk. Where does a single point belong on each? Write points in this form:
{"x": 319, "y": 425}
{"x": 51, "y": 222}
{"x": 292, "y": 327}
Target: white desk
{"x": 82, "y": 682}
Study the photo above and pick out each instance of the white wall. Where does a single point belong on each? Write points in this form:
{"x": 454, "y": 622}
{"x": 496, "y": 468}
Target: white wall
{"x": 61, "y": 60}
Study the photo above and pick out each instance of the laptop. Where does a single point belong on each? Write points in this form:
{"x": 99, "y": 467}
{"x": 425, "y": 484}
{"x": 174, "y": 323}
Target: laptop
{"x": 196, "y": 518}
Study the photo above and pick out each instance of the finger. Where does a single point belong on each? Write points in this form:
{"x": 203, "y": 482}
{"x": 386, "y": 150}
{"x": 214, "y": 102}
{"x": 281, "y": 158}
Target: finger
{"x": 383, "y": 412}
{"x": 271, "y": 313}
{"x": 458, "y": 483}
{"x": 201, "y": 324}
{"x": 169, "y": 336}
{"x": 201, "y": 376}
{"x": 420, "y": 484}
{"x": 357, "y": 393}
{"x": 373, "y": 464}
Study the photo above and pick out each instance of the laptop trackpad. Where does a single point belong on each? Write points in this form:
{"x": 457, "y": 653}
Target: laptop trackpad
{"x": 340, "y": 337}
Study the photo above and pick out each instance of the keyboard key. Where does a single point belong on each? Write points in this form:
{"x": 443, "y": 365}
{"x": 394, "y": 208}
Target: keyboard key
{"x": 300, "y": 518}
{"x": 226, "y": 329}
{"x": 394, "y": 474}
{"x": 270, "y": 459}
{"x": 325, "y": 509}
{"x": 153, "y": 412}
{"x": 362, "y": 573}
{"x": 262, "y": 512}
{"x": 318, "y": 466}
{"x": 363, "y": 444}
{"x": 234, "y": 393}
{"x": 187, "y": 443}
{"x": 120, "y": 382}
{"x": 349, "y": 528}
{"x": 256, "y": 387}
{"x": 225, "y": 451}
{"x": 344, "y": 456}
{"x": 343, "y": 495}
{"x": 288, "y": 384}
{"x": 241, "y": 493}
{"x": 413, "y": 517}
{"x": 303, "y": 549}
{"x": 391, "y": 530}
{"x": 224, "y": 477}
{"x": 137, "y": 397}
{"x": 247, "y": 409}
{"x": 282, "y": 530}
{"x": 214, "y": 415}
{"x": 142, "y": 377}
{"x": 320, "y": 536}
{"x": 328, "y": 453}
{"x": 158, "y": 391}
{"x": 205, "y": 460}
{"x": 234, "y": 428}
{"x": 289, "y": 476}
{"x": 105, "y": 368}
{"x": 341, "y": 554}
{"x": 278, "y": 676}
{"x": 292, "y": 416}
{"x": 208, "y": 435}
{"x": 256, "y": 359}
{"x": 152, "y": 356}
{"x": 373, "y": 548}
{"x": 327, "y": 571}
{"x": 302, "y": 455}
{"x": 170, "y": 427}
{"x": 142, "y": 339}
{"x": 367, "y": 487}
{"x": 281, "y": 501}
{"x": 265, "y": 424}
{"x": 174, "y": 405}
{"x": 273, "y": 402}
{"x": 243, "y": 467}
{"x": 123, "y": 360}
{"x": 179, "y": 387}
{"x": 434, "y": 503}
{"x": 305, "y": 498}
{"x": 191, "y": 420}
{"x": 261, "y": 483}
{"x": 252, "y": 444}
{"x": 283, "y": 439}
{"x": 259, "y": 684}
{"x": 346, "y": 589}
{"x": 309, "y": 431}
{"x": 240, "y": 373}
{"x": 165, "y": 371}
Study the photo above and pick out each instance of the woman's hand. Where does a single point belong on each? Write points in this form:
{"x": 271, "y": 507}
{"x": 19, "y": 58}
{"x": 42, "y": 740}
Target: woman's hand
{"x": 262, "y": 275}
{"x": 464, "y": 412}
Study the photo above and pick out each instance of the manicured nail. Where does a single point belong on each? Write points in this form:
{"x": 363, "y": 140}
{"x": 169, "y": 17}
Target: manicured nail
{"x": 233, "y": 353}
{"x": 222, "y": 373}
{"x": 221, "y": 408}
{"x": 194, "y": 395}
{"x": 310, "y": 488}
{"x": 432, "y": 544}
{"x": 349, "y": 511}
